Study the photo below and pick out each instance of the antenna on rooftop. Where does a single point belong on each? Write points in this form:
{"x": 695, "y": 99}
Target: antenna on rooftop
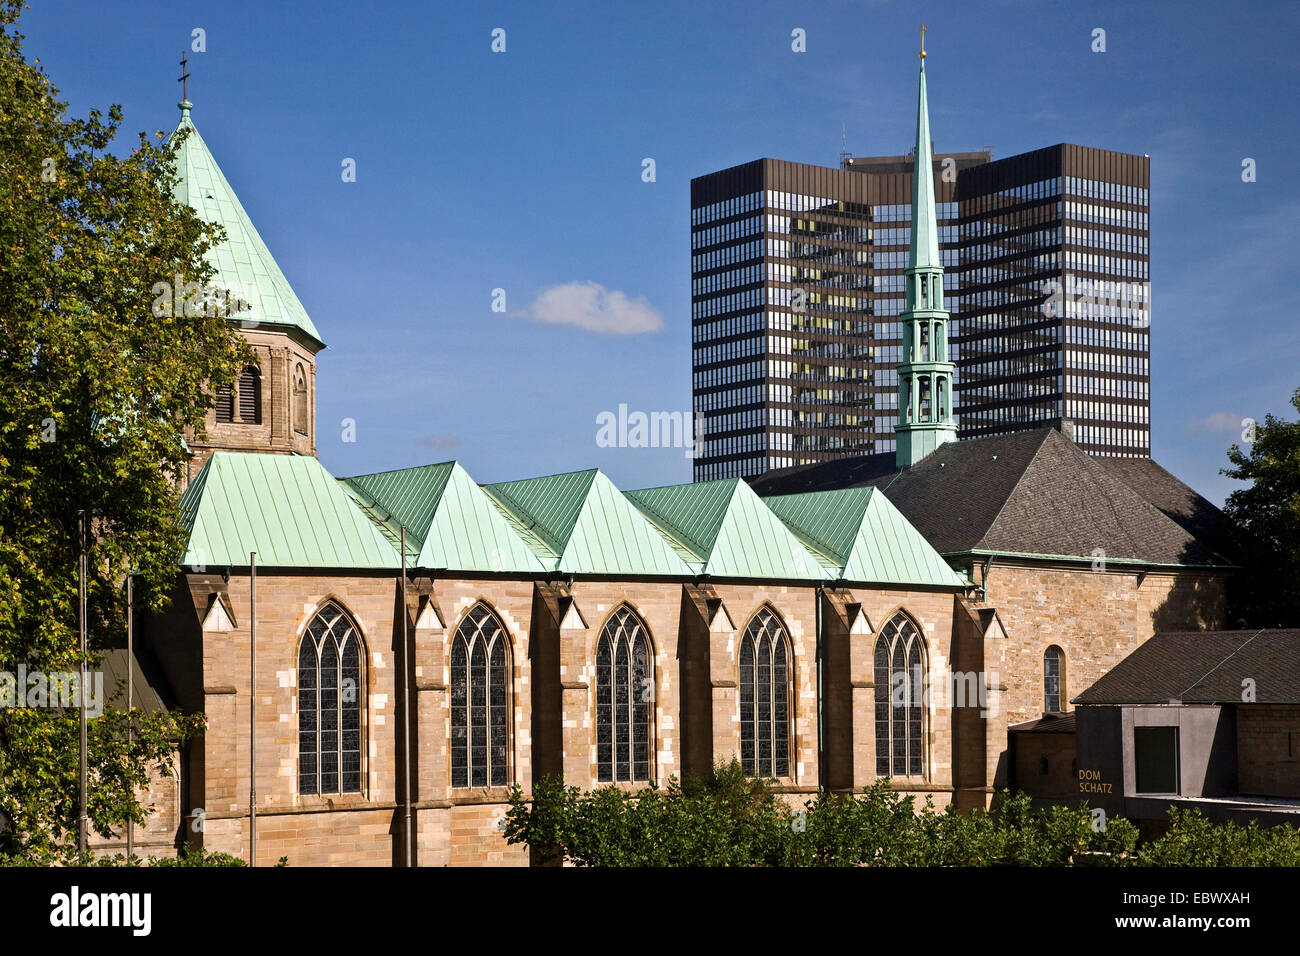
{"x": 845, "y": 155}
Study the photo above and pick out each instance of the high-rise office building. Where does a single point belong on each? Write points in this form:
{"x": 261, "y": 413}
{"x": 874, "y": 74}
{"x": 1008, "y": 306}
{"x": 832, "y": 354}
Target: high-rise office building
{"x": 797, "y": 292}
{"x": 1054, "y": 307}
{"x": 798, "y": 289}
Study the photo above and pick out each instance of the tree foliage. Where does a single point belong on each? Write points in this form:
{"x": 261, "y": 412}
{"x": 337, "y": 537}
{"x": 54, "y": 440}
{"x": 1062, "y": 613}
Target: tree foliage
{"x": 728, "y": 820}
{"x": 97, "y": 392}
{"x": 1267, "y": 518}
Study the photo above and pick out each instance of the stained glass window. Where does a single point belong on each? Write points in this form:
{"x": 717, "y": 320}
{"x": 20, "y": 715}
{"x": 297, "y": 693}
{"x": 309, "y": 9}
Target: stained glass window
{"x": 765, "y": 697}
{"x": 624, "y": 699}
{"x": 330, "y": 699}
{"x": 1052, "y": 679}
{"x": 479, "y": 701}
{"x": 899, "y": 666}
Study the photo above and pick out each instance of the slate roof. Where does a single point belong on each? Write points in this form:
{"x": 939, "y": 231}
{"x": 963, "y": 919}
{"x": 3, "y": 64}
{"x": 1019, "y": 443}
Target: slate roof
{"x": 1197, "y": 515}
{"x": 244, "y": 263}
{"x": 1204, "y": 667}
{"x": 151, "y": 692}
{"x": 1028, "y": 493}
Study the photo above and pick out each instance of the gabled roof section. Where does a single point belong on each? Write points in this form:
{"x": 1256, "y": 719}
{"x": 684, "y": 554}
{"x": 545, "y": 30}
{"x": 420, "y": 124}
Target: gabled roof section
{"x": 287, "y": 508}
{"x": 244, "y": 263}
{"x": 728, "y": 530}
{"x": 580, "y": 523}
{"x": 1204, "y": 667}
{"x": 450, "y": 523}
{"x": 1032, "y": 493}
{"x": 864, "y": 537}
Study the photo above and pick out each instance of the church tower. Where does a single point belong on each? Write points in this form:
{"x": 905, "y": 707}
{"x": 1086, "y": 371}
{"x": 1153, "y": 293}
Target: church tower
{"x": 272, "y": 407}
{"x": 925, "y": 375}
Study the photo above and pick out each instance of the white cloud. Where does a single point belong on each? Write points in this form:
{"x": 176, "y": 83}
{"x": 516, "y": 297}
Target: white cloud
{"x": 589, "y": 305}
{"x": 1218, "y": 422}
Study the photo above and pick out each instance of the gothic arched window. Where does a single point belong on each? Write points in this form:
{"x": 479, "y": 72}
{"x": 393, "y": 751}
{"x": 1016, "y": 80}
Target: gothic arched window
{"x": 900, "y": 683}
{"x": 1053, "y": 671}
{"x": 765, "y": 697}
{"x": 250, "y": 395}
{"x": 480, "y": 668}
{"x": 331, "y": 695}
{"x": 300, "y": 408}
{"x": 624, "y": 699}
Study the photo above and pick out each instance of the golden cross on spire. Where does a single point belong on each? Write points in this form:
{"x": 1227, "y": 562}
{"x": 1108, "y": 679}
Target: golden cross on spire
{"x": 922, "y": 41}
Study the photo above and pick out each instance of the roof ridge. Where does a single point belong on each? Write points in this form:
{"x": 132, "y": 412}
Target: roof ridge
{"x": 558, "y": 474}
{"x": 1237, "y": 650}
{"x": 393, "y": 471}
{"x": 681, "y": 484}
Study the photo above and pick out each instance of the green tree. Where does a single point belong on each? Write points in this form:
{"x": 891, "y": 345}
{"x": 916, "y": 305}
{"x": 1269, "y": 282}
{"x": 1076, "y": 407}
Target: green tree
{"x": 97, "y": 391}
{"x": 1266, "y": 516}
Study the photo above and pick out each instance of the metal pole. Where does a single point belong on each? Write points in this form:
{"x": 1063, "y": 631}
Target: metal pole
{"x": 83, "y": 828}
{"x": 130, "y": 695}
{"x": 409, "y": 834}
{"x": 252, "y": 709}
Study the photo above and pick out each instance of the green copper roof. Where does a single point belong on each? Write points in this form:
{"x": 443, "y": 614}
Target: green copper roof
{"x": 924, "y": 251}
{"x": 728, "y": 530}
{"x": 450, "y": 523}
{"x": 287, "y": 508}
{"x": 294, "y": 514}
{"x": 860, "y": 534}
{"x": 243, "y": 261}
{"x": 580, "y": 523}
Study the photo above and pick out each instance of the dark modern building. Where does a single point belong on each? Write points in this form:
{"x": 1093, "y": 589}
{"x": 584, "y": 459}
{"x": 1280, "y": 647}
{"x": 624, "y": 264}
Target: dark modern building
{"x": 798, "y": 289}
{"x": 1205, "y": 719}
{"x": 1053, "y": 316}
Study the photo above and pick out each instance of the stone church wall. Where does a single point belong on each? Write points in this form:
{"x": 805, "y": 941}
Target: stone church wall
{"x": 553, "y": 629}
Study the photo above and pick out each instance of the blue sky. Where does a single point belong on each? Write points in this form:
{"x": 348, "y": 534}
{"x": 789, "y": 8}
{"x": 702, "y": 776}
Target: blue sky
{"x": 522, "y": 171}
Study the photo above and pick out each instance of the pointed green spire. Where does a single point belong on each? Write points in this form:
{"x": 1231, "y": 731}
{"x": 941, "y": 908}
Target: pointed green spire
{"x": 925, "y": 233}
{"x": 244, "y": 263}
{"x": 925, "y": 396}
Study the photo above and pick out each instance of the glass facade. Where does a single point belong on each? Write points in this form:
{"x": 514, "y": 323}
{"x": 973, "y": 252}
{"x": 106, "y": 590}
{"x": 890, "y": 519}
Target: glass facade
{"x": 1054, "y": 316}
{"x": 797, "y": 286}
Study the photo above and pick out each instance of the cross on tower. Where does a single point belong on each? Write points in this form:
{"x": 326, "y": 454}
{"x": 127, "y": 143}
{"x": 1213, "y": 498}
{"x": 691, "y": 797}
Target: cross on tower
{"x": 922, "y": 41}
{"x": 185, "y": 59}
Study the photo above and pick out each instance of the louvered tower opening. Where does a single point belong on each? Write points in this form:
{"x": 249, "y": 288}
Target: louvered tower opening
{"x": 225, "y": 404}
{"x": 250, "y": 396}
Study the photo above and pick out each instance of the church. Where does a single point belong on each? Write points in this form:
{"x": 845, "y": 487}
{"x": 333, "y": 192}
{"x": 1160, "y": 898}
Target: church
{"x": 390, "y": 653}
